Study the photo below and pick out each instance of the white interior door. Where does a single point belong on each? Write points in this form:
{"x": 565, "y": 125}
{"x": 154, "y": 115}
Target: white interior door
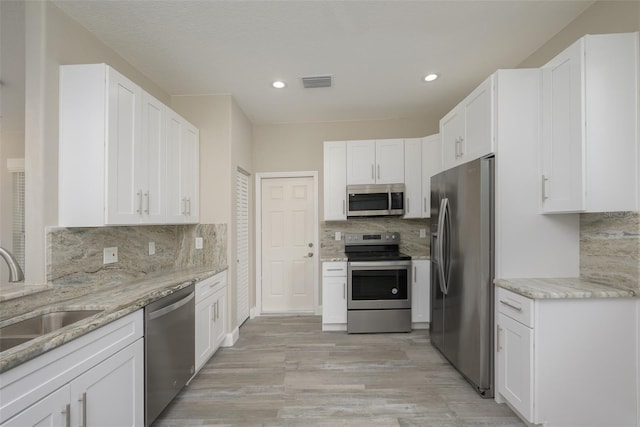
{"x": 242, "y": 245}
{"x": 288, "y": 247}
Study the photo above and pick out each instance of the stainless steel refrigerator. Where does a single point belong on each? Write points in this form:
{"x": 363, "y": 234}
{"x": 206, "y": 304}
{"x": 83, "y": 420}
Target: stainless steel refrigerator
{"x": 462, "y": 269}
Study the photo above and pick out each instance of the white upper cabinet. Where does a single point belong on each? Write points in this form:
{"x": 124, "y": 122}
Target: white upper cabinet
{"x": 113, "y": 155}
{"x": 467, "y": 130}
{"x": 413, "y": 178}
{"x": 335, "y": 180}
{"x": 431, "y": 165}
{"x": 590, "y": 126}
{"x": 375, "y": 161}
{"x": 182, "y": 174}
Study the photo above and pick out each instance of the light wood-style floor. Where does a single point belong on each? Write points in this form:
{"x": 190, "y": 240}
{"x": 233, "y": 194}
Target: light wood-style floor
{"x": 284, "y": 371}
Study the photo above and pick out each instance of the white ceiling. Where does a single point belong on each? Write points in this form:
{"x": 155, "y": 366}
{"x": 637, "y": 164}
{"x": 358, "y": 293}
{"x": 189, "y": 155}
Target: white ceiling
{"x": 376, "y": 51}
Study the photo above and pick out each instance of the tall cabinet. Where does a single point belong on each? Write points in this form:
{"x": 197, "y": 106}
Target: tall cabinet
{"x": 335, "y": 180}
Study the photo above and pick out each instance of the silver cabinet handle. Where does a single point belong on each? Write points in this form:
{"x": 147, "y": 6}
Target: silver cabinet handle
{"x": 146, "y": 195}
{"x": 344, "y": 291}
{"x": 344, "y": 203}
{"x": 408, "y": 205}
{"x": 66, "y": 410}
{"x": 456, "y": 147}
{"x": 425, "y": 205}
{"x": 498, "y": 341}
{"x": 544, "y": 188}
{"x": 184, "y": 206}
{"x": 139, "y": 194}
{"x": 378, "y": 170}
{"x": 461, "y": 151}
{"x": 83, "y": 404}
{"x": 189, "y": 202}
{"x": 215, "y": 310}
{"x": 508, "y": 304}
{"x": 335, "y": 269}
{"x": 415, "y": 274}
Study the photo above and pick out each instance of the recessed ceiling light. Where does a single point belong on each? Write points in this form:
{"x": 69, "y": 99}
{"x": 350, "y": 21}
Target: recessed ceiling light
{"x": 430, "y": 77}
{"x": 278, "y": 84}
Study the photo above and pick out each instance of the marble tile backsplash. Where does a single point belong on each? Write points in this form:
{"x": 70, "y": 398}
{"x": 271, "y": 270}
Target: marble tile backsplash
{"x": 410, "y": 241}
{"x": 75, "y": 255}
{"x": 610, "y": 248}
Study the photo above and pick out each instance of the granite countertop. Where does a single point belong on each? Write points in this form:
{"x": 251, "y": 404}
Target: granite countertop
{"x": 116, "y": 301}
{"x": 564, "y": 287}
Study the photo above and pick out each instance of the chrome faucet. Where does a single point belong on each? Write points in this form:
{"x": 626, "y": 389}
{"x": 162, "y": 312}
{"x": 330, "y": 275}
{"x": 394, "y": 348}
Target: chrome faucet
{"x": 15, "y": 272}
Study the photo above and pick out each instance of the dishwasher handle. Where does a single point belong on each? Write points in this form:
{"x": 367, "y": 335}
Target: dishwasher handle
{"x": 169, "y": 308}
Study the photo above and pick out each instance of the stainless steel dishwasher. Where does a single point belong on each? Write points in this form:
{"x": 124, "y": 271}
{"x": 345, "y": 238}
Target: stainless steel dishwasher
{"x": 169, "y": 349}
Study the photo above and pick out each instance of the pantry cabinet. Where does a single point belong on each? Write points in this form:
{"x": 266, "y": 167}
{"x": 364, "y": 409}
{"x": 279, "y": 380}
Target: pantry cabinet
{"x": 114, "y": 156}
{"x": 431, "y": 165}
{"x": 546, "y": 351}
{"x": 590, "y": 126}
{"x": 211, "y": 306}
{"x": 334, "y": 296}
{"x": 375, "y": 161}
{"x": 97, "y": 379}
{"x": 467, "y": 130}
{"x": 335, "y": 180}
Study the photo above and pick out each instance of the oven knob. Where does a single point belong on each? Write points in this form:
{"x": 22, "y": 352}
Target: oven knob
{"x": 394, "y": 291}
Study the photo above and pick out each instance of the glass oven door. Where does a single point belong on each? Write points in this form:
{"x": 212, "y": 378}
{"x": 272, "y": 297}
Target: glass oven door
{"x": 379, "y": 285}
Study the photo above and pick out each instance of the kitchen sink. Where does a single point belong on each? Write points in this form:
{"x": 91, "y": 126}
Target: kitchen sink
{"x": 28, "y": 329}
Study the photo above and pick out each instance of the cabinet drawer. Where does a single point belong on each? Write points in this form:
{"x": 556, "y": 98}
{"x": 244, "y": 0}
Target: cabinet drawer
{"x": 515, "y": 306}
{"x": 208, "y": 286}
{"x": 334, "y": 269}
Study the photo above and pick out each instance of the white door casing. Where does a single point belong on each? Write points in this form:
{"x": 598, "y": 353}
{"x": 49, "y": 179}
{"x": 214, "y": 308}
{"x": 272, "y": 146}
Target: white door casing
{"x": 242, "y": 245}
{"x": 286, "y": 239}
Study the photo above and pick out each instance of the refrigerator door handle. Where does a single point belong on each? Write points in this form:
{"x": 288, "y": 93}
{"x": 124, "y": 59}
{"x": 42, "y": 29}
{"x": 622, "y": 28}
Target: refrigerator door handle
{"x": 440, "y": 245}
{"x": 445, "y": 253}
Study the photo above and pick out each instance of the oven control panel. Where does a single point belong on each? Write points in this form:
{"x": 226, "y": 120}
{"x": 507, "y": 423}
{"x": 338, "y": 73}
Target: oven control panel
{"x": 372, "y": 238}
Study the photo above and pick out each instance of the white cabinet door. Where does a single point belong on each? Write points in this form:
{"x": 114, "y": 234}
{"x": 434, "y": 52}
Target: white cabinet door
{"x": 562, "y": 178}
{"x": 389, "y": 161}
{"x": 204, "y": 330}
{"x": 182, "y": 173}
{"x": 150, "y": 187}
{"x": 111, "y": 393}
{"x": 335, "y": 180}
{"x": 590, "y": 126}
{"x": 52, "y": 411}
{"x": 478, "y": 113}
{"x": 219, "y": 317}
{"x": 361, "y": 162}
{"x": 124, "y": 115}
{"x": 413, "y": 178}
{"x": 431, "y": 165}
{"x": 334, "y": 300}
{"x": 421, "y": 291}
{"x": 514, "y": 364}
{"x": 451, "y": 132}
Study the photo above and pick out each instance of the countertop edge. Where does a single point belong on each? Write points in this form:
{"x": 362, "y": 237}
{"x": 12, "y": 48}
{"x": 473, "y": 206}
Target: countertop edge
{"x": 563, "y": 288}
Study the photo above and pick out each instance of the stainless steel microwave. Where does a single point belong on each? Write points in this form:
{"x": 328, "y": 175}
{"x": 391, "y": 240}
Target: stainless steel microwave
{"x": 375, "y": 200}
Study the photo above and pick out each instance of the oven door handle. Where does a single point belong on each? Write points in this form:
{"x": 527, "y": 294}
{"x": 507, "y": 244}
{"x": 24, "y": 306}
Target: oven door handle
{"x": 386, "y": 265}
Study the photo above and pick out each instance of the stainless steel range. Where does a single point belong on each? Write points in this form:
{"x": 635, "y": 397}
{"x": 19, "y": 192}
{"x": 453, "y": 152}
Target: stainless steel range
{"x": 378, "y": 283}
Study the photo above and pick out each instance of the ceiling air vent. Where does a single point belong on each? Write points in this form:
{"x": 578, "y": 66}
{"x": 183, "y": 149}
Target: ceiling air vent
{"x": 316, "y": 81}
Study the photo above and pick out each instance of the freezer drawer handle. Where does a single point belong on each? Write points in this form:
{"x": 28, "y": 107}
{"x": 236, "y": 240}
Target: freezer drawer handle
{"x": 508, "y": 304}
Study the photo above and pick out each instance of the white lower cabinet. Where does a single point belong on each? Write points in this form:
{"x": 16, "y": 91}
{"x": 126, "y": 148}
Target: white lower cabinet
{"x": 420, "y": 293}
{"x": 211, "y": 308}
{"x": 334, "y": 296}
{"x": 567, "y": 362}
{"x": 95, "y": 380}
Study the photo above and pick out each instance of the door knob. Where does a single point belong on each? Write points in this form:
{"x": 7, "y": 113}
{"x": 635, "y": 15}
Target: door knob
{"x": 310, "y": 245}
{"x": 309, "y": 255}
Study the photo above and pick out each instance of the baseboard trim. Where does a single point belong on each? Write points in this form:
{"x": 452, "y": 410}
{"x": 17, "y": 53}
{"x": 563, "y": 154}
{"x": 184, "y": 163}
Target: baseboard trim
{"x": 231, "y": 338}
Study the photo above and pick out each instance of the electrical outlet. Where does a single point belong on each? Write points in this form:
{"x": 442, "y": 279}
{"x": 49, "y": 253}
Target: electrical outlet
{"x": 152, "y": 248}
{"x": 338, "y": 235}
{"x": 198, "y": 242}
{"x": 110, "y": 255}
{"x": 423, "y": 233}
